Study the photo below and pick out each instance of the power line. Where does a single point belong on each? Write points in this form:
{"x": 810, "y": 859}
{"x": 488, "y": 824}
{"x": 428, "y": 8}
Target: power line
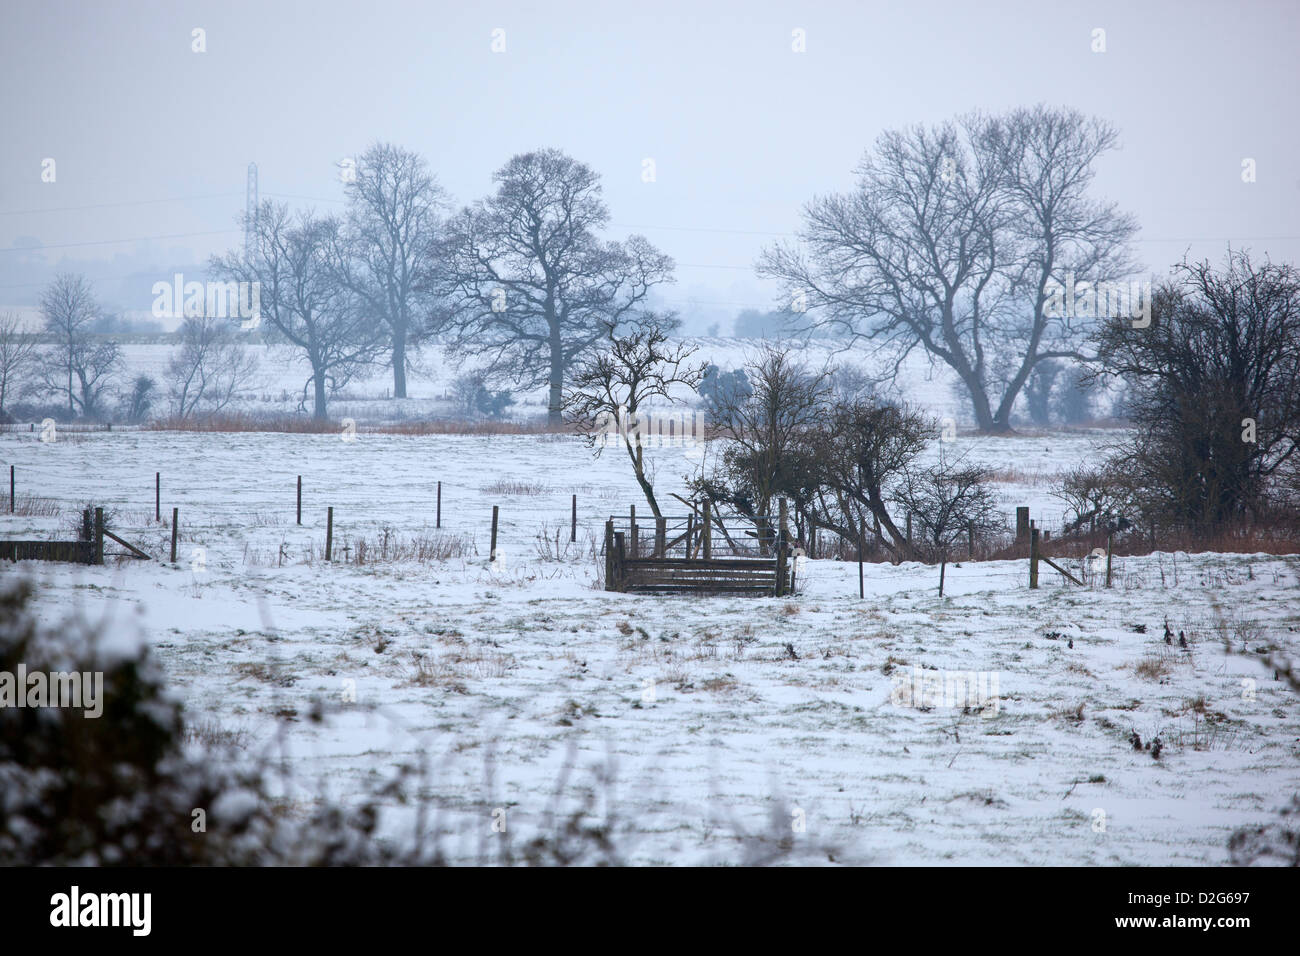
{"x": 308, "y": 198}
{"x": 109, "y": 242}
{"x": 739, "y": 232}
{"x": 111, "y": 205}
{"x": 619, "y": 225}
{"x": 30, "y": 285}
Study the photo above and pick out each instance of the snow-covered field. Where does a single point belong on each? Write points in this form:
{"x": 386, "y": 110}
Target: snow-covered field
{"x": 277, "y": 386}
{"x": 705, "y": 726}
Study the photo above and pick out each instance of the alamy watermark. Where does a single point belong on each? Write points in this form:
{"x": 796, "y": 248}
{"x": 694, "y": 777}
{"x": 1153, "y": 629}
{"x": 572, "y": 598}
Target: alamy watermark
{"x": 74, "y": 689}
{"x": 1082, "y": 299}
{"x": 684, "y": 428}
{"x": 130, "y": 910}
{"x": 952, "y": 689}
{"x": 213, "y": 300}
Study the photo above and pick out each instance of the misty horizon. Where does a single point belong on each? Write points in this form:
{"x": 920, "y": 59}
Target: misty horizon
{"x": 741, "y": 128}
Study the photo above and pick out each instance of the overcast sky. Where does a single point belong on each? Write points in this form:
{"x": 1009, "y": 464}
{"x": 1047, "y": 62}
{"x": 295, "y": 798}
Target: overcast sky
{"x": 742, "y": 129}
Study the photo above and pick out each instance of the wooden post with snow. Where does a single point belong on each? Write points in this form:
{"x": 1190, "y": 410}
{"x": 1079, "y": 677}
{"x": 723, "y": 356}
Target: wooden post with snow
{"x": 1110, "y": 551}
{"x": 632, "y": 531}
{"x": 706, "y": 532}
{"x": 782, "y": 557}
{"x": 862, "y": 592}
{"x": 1033, "y": 557}
{"x": 609, "y": 555}
{"x": 620, "y": 553}
{"x": 1022, "y": 524}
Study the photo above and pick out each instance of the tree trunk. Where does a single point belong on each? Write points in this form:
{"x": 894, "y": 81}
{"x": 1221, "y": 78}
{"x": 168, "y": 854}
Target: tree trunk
{"x": 399, "y": 364}
{"x": 555, "y": 398}
{"x": 318, "y": 383}
{"x": 985, "y": 420}
{"x": 999, "y": 427}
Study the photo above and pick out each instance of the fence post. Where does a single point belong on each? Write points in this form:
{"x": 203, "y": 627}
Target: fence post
{"x": 438, "y": 519}
{"x": 970, "y": 539}
{"x": 690, "y": 532}
{"x": 619, "y": 555}
{"x": 573, "y": 521}
{"x": 781, "y": 549}
{"x": 492, "y": 555}
{"x": 661, "y": 537}
{"x": 11, "y": 489}
{"x": 707, "y": 533}
{"x": 1022, "y": 524}
{"x": 99, "y": 535}
{"x": 176, "y": 521}
{"x": 633, "y": 536}
{"x": 862, "y": 591}
{"x": 909, "y": 530}
{"x": 329, "y": 533}
{"x": 1110, "y": 549}
{"x": 1033, "y": 557}
{"x": 157, "y": 496}
{"x": 609, "y": 555}
{"x": 300, "y": 499}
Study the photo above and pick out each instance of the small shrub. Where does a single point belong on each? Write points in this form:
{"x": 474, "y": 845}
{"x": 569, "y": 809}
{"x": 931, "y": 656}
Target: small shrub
{"x": 524, "y": 488}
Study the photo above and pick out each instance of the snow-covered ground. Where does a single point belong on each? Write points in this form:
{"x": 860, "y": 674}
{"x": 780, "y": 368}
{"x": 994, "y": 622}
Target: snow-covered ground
{"x": 714, "y": 717}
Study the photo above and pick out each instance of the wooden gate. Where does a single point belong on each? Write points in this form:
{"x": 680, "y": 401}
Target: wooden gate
{"x": 699, "y": 553}
{"x": 76, "y": 552}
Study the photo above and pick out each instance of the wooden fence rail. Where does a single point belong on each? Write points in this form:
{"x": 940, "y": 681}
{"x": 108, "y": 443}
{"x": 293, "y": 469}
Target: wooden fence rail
{"x": 689, "y": 561}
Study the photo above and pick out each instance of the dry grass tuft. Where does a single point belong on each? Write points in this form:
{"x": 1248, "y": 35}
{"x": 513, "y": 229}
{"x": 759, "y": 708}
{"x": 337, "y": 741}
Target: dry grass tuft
{"x": 304, "y": 425}
{"x": 505, "y": 487}
{"x": 1153, "y": 667}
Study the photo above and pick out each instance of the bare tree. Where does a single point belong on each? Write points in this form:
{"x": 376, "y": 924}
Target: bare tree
{"x": 393, "y": 218}
{"x": 765, "y": 429}
{"x": 860, "y": 451}
{"x": 1038, "y": 391}
{"x": 950, "y": 244}
{"x": 474, "y": 396}
{"x": 530, "y": 284}
{"x": 295, "y": 262}
{"x": 139, "y": 398}
{"x": 613, "y": 386}
{"x": 68, "y": 308}
{"x": 94, "y": 366}
{"x": 1215, "y": 385}
{"x": 1059, "y": 231}
{"x": 208, "y": 369}
{"x": 18, "y": 355}
{"x": 947, "y": 501}
{"x": 1095, "y": 494}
